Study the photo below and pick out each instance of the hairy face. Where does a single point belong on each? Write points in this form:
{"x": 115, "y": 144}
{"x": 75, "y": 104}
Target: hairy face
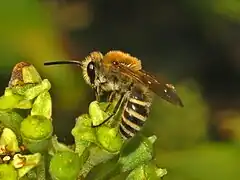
{"x": 97, "y": 72}
{"x": 91, "y": 68}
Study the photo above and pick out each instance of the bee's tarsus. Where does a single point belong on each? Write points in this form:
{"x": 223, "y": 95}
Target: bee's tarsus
{"x": 104, "y": 121}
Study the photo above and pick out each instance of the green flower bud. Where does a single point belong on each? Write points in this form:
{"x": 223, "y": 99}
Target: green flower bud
{"x": 65, "y": 166}
{"x": 109, "y": 138}
{"x": 42, "y": 105}
{"x": 9, "y": 140}
{"x": 7, "y": 172}
{"x": 35, "y": 132}
{"x": 136, "y": 152}
{"x": 24, "y": 73}
{"x": 34, "y": 91}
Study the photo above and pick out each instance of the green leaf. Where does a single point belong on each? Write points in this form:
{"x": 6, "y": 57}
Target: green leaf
{"x": 138, "y": 151}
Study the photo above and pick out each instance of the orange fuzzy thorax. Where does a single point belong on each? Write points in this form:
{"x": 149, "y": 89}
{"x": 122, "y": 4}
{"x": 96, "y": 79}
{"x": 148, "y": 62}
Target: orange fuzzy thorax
{"x": 122, "y": 58}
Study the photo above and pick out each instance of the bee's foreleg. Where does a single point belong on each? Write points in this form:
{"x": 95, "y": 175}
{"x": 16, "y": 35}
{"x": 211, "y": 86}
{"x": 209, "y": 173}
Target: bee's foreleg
{"x": 110, "y": 99}
{"x": 97, "y": 94}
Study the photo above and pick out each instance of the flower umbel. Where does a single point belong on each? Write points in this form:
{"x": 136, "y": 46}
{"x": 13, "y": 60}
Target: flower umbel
{"x": 99, "y": 151}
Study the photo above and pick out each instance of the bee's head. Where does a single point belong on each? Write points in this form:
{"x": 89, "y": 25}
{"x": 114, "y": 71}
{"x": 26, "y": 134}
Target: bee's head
{"x": 91, "y": 67}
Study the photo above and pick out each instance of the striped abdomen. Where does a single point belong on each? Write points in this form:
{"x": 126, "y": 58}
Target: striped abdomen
{"x": 135, "y": 113}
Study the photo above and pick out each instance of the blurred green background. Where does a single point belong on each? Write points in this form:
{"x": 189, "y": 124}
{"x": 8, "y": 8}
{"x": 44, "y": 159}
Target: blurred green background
{"x": 195, "y": 44}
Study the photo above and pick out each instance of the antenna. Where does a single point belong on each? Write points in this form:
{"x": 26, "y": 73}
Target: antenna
{"x": 62, "y": 62}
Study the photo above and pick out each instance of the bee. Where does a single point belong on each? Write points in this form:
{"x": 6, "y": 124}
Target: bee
{"x": 122, "y": 75}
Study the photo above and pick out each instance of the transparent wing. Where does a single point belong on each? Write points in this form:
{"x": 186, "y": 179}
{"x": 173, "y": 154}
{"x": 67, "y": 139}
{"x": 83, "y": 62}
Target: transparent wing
{"x": 161, "y": 88}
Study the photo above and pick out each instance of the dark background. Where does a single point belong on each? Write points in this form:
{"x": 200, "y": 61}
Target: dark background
{"x": 195, "y": 44}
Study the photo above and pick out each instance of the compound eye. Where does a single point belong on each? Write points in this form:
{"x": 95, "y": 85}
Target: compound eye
{"x": 91, "y": 72}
